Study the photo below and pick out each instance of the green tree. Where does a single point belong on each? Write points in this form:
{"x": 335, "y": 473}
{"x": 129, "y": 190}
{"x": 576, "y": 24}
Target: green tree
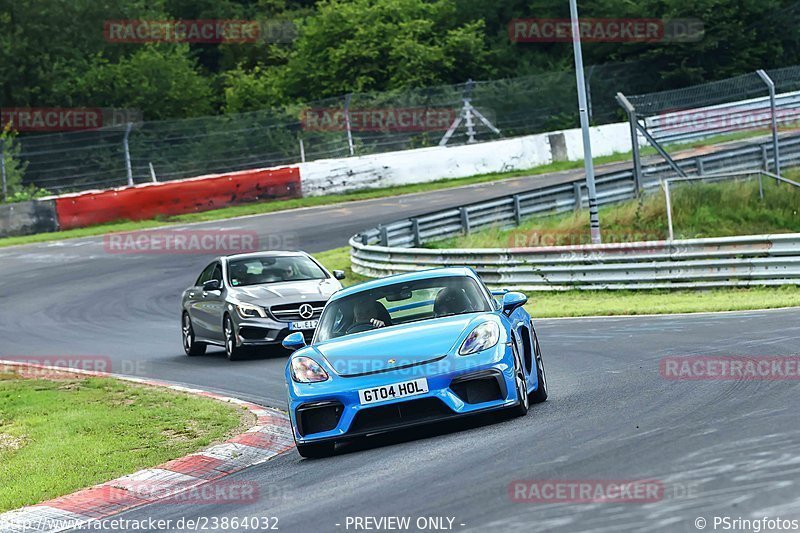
{"x": 365, "y": 45}
{"x": 161, "y": 80}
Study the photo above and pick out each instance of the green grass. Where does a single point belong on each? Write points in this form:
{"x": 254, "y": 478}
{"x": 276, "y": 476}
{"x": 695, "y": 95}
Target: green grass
{"x": 698, "y": 209}
{"x": 57, "y": 436}
{"x": 608, "y": 303}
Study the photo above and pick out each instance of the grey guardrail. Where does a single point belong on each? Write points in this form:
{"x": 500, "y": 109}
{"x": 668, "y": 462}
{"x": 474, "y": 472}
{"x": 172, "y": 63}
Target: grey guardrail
{"x": 764, "y": 259}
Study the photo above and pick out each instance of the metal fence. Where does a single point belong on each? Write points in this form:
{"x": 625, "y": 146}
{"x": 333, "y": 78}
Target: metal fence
{"x": 355, "y": 124}
{"x": 396, "y": 247}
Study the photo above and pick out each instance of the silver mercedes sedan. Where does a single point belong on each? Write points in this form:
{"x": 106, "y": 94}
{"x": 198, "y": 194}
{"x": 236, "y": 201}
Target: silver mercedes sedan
{"x": 256, "y": 299}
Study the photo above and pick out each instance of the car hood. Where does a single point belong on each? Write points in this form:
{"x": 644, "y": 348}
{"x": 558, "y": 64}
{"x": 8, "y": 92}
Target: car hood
{"x": 270, "y": 293}
{"x": 397, "y": 346}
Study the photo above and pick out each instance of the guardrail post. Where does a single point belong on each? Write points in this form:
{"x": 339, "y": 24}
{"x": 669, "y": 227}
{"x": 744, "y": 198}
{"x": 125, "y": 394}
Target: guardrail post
{"x": 576, "y": 190}
{"x": 364, "y": 239}
{"x": 415, "y": 232}
{"x": 517, "y": 211}
{"x": 764, "y": 158}
{"x": 464, "y": 220}
{"x": 384, "y": 235}
{"x": 700, "y": 167}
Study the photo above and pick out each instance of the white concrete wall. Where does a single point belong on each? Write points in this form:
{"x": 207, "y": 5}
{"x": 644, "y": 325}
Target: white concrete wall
{"x": 331, "y": 176}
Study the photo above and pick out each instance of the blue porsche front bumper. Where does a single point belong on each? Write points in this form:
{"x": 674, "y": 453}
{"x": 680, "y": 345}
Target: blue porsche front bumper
{"x": 457, "y": 385}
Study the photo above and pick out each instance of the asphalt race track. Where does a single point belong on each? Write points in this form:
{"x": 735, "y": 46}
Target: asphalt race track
{"x": 719, "y": 448}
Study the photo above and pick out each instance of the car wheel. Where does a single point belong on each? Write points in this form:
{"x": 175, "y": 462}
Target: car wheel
{"x": 521, "y": 409}
{"x": 190, "y": 345}
{"x": 540, "y": 394}
{"x": 231, "y": 350}
{"x": 316, "y": 450}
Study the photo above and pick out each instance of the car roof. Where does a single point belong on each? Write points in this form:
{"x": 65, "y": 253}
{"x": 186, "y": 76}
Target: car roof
{"x": 400, "y": 278}
{"x": 265, "y": 253}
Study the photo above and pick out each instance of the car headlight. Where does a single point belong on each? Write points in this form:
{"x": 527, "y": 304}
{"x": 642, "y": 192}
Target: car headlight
{"x": 306, "y": 370}
{"x": 250, "y": 311}
{"x": 481, "y": 338}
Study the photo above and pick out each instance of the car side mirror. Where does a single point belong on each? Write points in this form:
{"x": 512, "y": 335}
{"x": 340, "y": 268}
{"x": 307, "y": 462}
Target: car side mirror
{"x": 512, "y": 301}
{"x": 338, "y": 274}
{"x": 212, "y": 285}
{"x": 294, "y": 341}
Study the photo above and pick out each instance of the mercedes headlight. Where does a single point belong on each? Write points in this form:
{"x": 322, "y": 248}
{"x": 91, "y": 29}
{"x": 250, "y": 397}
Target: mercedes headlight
{"x": 481, "y": 338}
{"x": 250, "y": 311}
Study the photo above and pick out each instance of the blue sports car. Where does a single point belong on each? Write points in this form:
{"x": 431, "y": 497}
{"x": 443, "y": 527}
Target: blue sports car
{"x": 411, "y": 349}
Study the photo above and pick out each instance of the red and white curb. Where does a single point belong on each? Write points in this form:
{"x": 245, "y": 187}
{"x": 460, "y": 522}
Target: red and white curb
{"x": 271, "y": 436}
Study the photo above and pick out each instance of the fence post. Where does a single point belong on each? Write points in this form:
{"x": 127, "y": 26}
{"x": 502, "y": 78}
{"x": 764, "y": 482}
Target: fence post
{"x": 632, "y": 119}
{"x": 347, "y": 122}
{"x": 128, "y": 153}
{"x": 153, "y": 173}
{"x": 665, "y": 184}
{"x": 464, "y": 220}
{"x": 771, "y": 87}
{"x": 302, "y": 151}
{"x": 3, "y": 168}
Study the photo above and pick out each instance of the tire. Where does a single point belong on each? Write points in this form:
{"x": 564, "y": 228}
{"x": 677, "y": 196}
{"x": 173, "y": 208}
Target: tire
{"x": 317, "y": 450}
{"x": 521, "y": 409}
{"x": 190, "y": 345}
{"x": 232, "y": 351}
{"x": 540, "y": 394}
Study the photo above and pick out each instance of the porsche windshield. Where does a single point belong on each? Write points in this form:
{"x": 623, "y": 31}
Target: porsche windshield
{"x": 272, "y": 269}
{"x": 400, "y": 303}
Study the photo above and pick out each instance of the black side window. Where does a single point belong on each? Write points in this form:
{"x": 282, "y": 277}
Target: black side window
{"x": 207, "y": 274}
{"x": 217, "y": 274}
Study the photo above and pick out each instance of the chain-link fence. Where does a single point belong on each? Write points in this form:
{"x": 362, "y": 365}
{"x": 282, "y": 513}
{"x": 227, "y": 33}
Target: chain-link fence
{"x": 367, "y": 123}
